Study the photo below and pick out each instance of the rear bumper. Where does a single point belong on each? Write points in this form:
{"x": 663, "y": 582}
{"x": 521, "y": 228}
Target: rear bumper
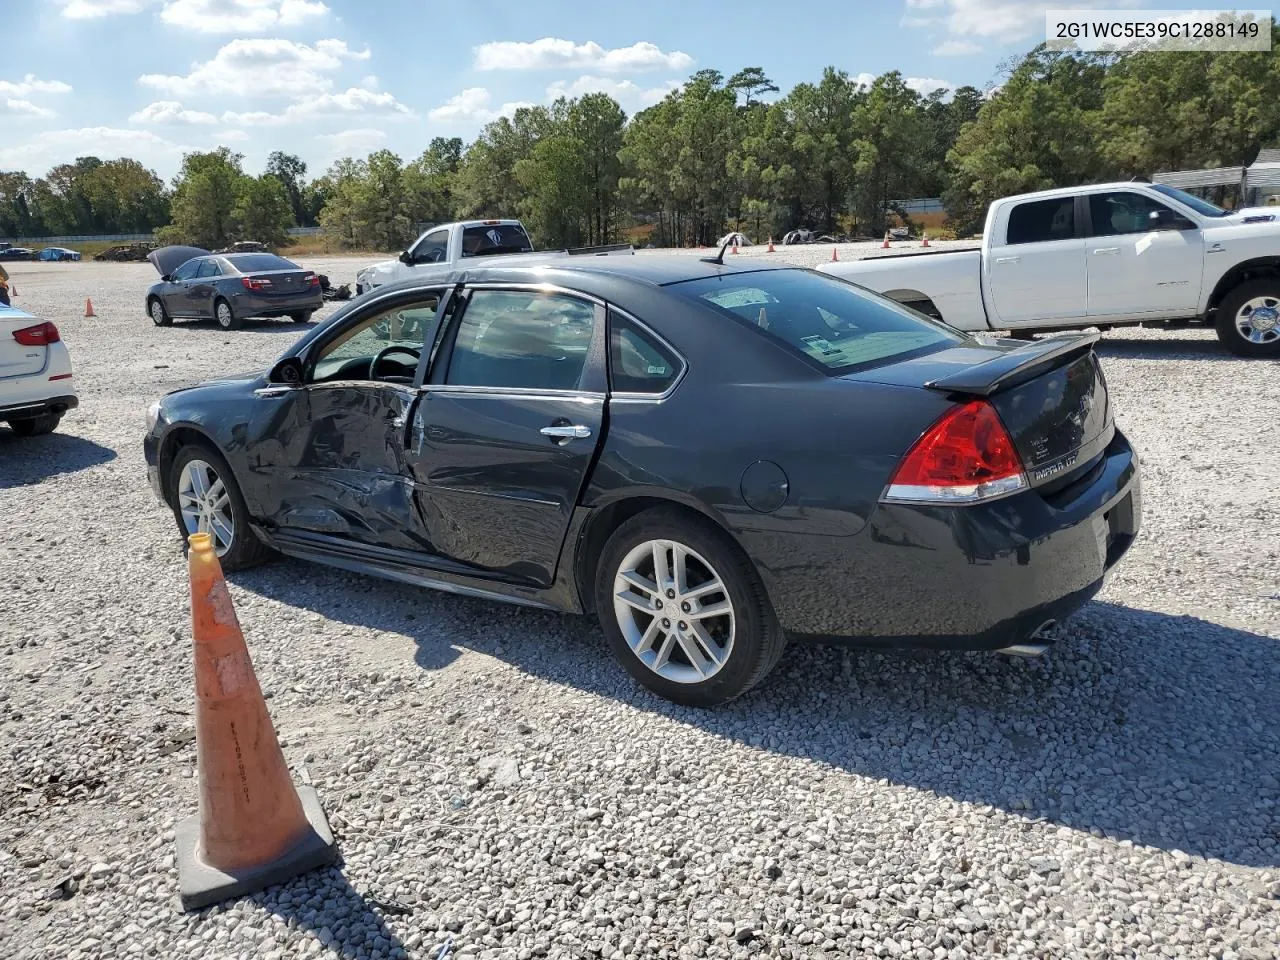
{"x": 276, "y": 305}
{"x": 35, "y": 408}
{"x": 980, "y": 577}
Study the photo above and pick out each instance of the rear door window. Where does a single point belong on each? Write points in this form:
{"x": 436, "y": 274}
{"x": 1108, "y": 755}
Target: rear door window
{"x": 1038, "y": 221}
{"x": 484, "y": 240}
{"x": 209, "y": 268}
{"x": 833, "y": 324}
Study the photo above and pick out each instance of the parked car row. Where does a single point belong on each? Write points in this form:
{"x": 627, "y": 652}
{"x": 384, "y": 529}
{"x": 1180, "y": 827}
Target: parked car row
{"x": 48, "y": 254}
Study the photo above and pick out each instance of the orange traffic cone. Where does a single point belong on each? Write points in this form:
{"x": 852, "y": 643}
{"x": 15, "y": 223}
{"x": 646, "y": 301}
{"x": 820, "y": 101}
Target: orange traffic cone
{"x": 885, "y": 245}
{"x": 925, "y": 243}
{"x": 834, "y": 258}
{"x": 254, "y": 829}
{"x": 770, "y": 250}
{"x": 88, "y": 308}
{"x": 735, "y": 249}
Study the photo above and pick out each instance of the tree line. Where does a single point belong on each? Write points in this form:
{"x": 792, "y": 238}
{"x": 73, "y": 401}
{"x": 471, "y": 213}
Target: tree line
{"x": 717, "y": 152}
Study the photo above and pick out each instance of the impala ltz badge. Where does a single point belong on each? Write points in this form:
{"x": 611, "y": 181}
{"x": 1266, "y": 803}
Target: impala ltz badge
{"x": 1055, "y": 468}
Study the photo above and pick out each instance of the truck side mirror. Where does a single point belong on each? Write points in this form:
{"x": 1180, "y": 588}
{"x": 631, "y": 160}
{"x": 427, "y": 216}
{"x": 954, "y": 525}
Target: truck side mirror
{"x": 405, "y": 258}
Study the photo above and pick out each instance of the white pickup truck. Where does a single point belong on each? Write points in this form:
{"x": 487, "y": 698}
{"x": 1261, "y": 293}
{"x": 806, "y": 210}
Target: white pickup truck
{"x": 1104, "y": 256}
{"x": 441, "y": 250}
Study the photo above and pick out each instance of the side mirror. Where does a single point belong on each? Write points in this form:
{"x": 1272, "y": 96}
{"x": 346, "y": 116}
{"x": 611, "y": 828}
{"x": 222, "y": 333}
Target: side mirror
{"x": 405, "y": 258}
{"x": 287, "y": 371}
{"x": 1161, "y": 219}
{"x": 166, "y": 278}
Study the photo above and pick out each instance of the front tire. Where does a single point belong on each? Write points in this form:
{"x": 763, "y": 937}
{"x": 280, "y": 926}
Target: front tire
{"x": 684, "y": 610}
{"x": 1248, "y": 319}
{"x": 36, "y": 426}
{"x": 206, "y": 499}
{"x": 225, "y": 316}
{"x": 159, "y": 315}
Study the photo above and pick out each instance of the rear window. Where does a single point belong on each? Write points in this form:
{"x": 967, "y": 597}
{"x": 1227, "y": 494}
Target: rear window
{"x": 253, "y": 262}
{"x": 1038, "y": 221}
{"x": 485, "y": 241}
{"x": 829, "y": 322}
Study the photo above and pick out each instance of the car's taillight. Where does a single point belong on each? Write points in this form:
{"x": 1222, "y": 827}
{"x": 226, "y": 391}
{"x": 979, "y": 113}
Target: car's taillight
{"x": 313, "y": 280}
{"x": 37, "y": 336}
{"x": 966, "y": 456}
{"x": 253, "y": 283}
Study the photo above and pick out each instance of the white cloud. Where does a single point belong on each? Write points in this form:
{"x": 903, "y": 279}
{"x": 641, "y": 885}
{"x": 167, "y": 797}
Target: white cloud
{"x": 170, "y": 111}
{"x": 93, "y": 9}
{"x": 232, "y": 136}
{"x": 1005, "y": 21}
{"x": 473, "y": 106}
{"x": 630, "y": 96}
{"x": 240, "y": 16}
{"x": 927, "y": 85}
{"x": 41, "y": 151}
{"x": 864, "y": 79}
{"x": 350, "y": 143}
{"x": 266, "y": 67}
{"x": 29, "y": 85}
{"x": 353, "y": 100}
{"x": 12, "y": 106}
{"x": 956, "y": 48}
{"x": 551, "y": 53}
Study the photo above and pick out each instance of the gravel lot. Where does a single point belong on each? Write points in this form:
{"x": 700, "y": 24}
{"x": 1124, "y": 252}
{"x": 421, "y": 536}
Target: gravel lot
{"x": 493, "y": 777}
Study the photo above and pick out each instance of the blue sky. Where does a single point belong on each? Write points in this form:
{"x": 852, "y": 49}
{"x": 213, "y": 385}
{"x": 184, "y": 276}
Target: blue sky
{"x": 153, "y": 79}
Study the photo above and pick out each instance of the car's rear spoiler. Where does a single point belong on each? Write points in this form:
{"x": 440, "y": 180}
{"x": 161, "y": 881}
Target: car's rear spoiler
{"x": 603, "y": 251}
{"x": 1016, "y": 366}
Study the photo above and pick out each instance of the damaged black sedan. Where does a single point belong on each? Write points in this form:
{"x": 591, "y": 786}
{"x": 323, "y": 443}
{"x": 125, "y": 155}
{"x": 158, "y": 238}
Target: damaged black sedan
{"x": 713, "y": 459}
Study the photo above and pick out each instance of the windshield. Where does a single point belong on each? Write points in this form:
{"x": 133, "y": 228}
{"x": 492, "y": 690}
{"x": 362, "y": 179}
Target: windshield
{"x": 252, "y": 262}
{"x": 1202, "y": 207}
{"x": 834, "y": 324}
{"x": 485, "y": 240}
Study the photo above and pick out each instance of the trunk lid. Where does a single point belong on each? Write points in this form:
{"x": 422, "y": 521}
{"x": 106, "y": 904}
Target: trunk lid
{"x": 17, "y": 359}
{"x": 1050, "y": 394}
{"x": 283, "y": 281}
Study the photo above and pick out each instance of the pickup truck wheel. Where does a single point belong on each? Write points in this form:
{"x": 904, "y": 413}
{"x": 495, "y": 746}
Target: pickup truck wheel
{"x": 1248, "y": 319}
{"x": 684, "y": 611}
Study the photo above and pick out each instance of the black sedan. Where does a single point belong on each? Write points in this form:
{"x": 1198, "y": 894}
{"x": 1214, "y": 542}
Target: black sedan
{"x": 228, "y": 288}
{"x": 711, "y": 458}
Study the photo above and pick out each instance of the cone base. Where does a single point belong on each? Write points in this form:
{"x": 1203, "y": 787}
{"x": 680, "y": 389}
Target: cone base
{"x": 200, "y": 885}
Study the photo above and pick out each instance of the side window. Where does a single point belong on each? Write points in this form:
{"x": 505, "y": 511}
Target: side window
{"x": 1123, "y": 212}
{"x": 434, "y": 248}
{"x": 397, "y": 334}
{"x": 523, "y": 339}
{"x": 1039, "y": 220}
{"x": 637, "y": 362}
{"x": 187, "y": 270}
{"x": 208, "y": 269}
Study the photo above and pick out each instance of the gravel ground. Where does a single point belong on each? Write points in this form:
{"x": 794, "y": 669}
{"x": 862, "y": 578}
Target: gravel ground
{"x": 492, "y": 776}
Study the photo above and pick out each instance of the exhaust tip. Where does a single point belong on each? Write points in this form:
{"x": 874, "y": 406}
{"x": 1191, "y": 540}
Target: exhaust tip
{"x": 1035, "y": 645}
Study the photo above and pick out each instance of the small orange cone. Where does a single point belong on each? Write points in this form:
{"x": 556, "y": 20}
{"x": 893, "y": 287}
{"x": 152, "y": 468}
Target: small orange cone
{"x": 925, "y": 243}
{"x": 834, "y": 258}
{"x": 770, "y": 250}
{"x": 735, "y": 249}
{"x": 885, "y": 245}
{"x": 88, "y": 308}
{"x": 254, "y": 829}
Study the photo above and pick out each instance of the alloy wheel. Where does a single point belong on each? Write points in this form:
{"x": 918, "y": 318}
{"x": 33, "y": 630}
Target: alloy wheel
{"x": 157, "y": 313}
{"x": 205, "y": 504}
{"x": 223, "y": 312}
{"x": 674, "y": 611}
{"x": 1258, "y": 320}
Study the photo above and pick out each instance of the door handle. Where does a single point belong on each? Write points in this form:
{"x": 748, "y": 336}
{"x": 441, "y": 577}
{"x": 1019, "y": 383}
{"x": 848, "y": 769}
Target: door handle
{"x": 1217, "y": 248}
{"x": 1008, "y": 259}
{"x": 1106, "y": 251}
{"x": 574, "y": 431}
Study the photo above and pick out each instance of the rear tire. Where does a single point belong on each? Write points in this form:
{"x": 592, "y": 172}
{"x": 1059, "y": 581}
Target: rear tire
{"x": 36, "y": 426}
{"x": 159, "y": 315}
{"x": 731, "y": 639}
{"x": 203, "y": 486}
{"x": 303, "y": 316}
{"x": 224, "y": 316}
{"x": 1248, "y": 319}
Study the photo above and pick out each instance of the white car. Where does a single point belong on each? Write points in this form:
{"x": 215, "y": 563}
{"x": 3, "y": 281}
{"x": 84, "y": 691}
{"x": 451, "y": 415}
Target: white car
{"x": 36, "y": 386}
{"x": 1104, "y": 256}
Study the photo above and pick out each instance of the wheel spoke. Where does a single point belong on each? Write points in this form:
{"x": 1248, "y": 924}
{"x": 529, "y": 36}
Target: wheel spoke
{"x": 222, "y": 530}
{"x": 713, "y": 651}
{"x": 701, "y": 590}
{"x": 640, "y": 582}
{"x": 647, "y": 639}
{"x": 632, "y": 600}
{"x": 661, "y": 566}
{"x": 680, "y": 567}
{"x": 718, "y": 609}
{"x": 693, "y": 651}
{"x": 664, "y": 652}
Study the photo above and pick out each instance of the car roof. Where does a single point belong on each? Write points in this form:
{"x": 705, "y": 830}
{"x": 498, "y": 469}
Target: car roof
{"x": 655, "y": 270}
{"x": 1057, "y": 192}
{"x": 13, "y": 313}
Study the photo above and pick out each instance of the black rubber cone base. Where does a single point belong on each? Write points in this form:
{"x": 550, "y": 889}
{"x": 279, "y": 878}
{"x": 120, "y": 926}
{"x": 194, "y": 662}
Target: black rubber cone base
{"x": 200, "y": 885}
